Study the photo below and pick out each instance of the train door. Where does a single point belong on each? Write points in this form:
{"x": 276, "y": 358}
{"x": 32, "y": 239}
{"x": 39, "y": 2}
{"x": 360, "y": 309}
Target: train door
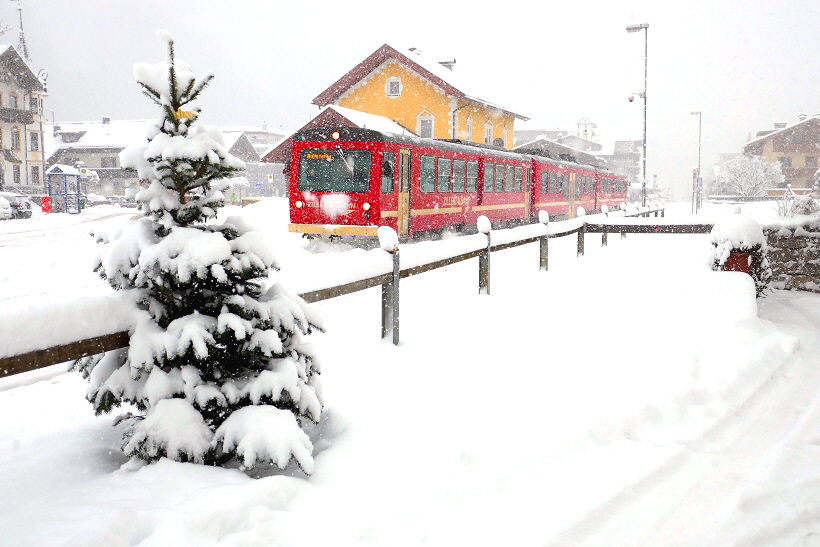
{"x": 528, "y": 187}
{"x": 571, "y": 196}
{"x": 404, "y": 193}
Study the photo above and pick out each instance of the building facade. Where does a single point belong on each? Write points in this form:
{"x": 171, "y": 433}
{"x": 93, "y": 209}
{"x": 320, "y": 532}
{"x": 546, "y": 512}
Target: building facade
{"x": 22, "y": 160}
{"x": 796, "y": 147}
{"x": 421, "y": 96}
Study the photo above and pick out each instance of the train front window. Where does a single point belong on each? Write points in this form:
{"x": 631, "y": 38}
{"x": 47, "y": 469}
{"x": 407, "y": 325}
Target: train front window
{"x": 334, "y": 170}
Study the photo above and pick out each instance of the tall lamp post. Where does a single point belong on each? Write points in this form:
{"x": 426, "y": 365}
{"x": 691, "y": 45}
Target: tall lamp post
{"x": 696, "y": 189}
{"x": 645, "y": 28}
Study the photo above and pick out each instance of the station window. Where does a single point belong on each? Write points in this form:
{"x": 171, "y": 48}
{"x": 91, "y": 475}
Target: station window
{"x": 445, "y": 171}
{"x": 499, "y": 178}
{"x": 425, "y": 126}
{"x": 458, "y": 176}
{"x": 472, "y": 175}
{"x": 108, "y": 162}
{"x": 489, "y": 171}
{"x": 388, "y": 172}
{"x": 545, "y": 182}
{"x": 35, "y": 175}
{"x": 15, "y": 139}
{"x": 34, "y": 138}
{"x": 13, "y": 101}
{"x": 488, "y": 133}
{"x": 469, "y": 128}
{"x": 785, "y": 162}
{"x": 393, "y": 87}
{"x": 15, "y": 171}
{"x": 427, "y": 177}
{"x": 519, "y": 174}
{"x": 811, "y": 161}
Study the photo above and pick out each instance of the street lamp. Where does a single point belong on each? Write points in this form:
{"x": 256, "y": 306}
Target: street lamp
{"x": 696, "y": 189}
{"x": 645, "y": 28}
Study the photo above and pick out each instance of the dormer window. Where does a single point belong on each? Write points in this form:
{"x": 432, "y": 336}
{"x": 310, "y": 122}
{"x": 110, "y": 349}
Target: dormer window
{"x": 393, "y": 87}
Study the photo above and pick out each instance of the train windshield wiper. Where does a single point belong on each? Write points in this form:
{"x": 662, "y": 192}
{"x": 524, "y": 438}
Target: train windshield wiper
{"x": 344, "y": 160}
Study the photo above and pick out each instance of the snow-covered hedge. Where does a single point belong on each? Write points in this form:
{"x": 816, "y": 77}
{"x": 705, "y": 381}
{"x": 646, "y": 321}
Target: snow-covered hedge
{"x": 741, "y": 235}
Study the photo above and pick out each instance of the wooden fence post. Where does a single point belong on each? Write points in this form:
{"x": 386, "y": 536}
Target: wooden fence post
{"x": 543, "y": 242}
{"x": 390, "y": 301}
{"x": 581, "y": 232}
{"x": 604, "y": 237}
{"x": 484, "y": 268}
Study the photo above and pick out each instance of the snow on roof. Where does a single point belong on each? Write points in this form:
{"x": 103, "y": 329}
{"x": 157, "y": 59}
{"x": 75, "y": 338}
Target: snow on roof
{"x": 119, "y": 133}
{"x": 230, "y": 138}
{"x": 470, "y": 87}
{"x": 370, "y": 121}
{"x": 771, "y": 133}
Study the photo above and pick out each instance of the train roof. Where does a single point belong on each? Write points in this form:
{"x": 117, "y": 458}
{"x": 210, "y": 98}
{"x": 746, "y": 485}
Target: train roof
{"x": 356, "y": 134}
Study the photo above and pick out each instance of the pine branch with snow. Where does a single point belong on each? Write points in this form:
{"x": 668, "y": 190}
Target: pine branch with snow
{"x": 217, "y": 362}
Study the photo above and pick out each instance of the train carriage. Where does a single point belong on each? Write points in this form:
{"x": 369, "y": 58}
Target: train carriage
{"x": 348, "y": 181}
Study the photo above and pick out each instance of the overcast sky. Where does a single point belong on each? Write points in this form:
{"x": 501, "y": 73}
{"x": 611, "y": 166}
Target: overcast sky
{"x": 745, "y": 64}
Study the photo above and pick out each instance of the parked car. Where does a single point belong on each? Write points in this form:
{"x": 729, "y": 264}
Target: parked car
{"x": 95, "y": 199}
{"x": 5, "y": 209}
{"x": 20, "y": 205}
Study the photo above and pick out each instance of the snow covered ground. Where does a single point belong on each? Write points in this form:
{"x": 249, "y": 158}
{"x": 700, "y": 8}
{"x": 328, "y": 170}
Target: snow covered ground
{"x": 629, "y": 397}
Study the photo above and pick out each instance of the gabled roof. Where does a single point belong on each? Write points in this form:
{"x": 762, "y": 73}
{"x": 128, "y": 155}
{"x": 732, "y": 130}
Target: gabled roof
{"x": 557, "y": 150}
{"x": 436, "y": 73}
{"x": 769, "y": 135}
{"x": 19, "y": 69}
{"x": 333, "y": 115}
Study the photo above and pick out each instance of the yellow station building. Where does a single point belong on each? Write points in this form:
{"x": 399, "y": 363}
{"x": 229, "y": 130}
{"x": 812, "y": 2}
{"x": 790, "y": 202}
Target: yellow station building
{"x": 424, "y": 97}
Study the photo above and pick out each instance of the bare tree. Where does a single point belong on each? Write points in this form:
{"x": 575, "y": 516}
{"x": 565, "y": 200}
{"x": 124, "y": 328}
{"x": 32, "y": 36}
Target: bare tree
{"x": 747, "y": 176}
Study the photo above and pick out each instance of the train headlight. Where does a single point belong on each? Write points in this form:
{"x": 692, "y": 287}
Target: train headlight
{"x": 335, "y": 135}
{"x": 366, "y": 206}
{"x": 298, "y": 204}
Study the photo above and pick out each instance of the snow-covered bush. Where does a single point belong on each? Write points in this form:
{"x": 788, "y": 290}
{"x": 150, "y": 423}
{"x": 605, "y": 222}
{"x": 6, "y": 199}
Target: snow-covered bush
{"x": 743, "y": 237}
{"x": 217, "y": 365}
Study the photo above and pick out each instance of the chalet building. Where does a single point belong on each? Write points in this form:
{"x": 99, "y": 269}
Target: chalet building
{"x": 423, "y": 96}
{"x": 96, "y": 146}
{"x": 22, "y": 161}
{"x": 796, "y": 147}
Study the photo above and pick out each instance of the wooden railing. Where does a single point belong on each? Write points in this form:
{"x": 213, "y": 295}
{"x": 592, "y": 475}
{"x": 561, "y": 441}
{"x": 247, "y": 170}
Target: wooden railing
{"x": 390, "y": 281}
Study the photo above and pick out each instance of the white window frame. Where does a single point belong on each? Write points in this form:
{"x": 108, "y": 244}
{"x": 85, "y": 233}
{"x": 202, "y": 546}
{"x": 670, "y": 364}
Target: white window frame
{"x": 488, "y": 133}
{"x": 426, "y": 116}
{"x": 387, "y": 85}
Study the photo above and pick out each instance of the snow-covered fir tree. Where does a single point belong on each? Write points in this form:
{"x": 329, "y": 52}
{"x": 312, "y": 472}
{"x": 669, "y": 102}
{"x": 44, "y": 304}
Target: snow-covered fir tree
{"x": 217, "y": 366}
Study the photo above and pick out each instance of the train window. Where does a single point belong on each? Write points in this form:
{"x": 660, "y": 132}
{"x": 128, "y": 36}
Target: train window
{"x": 472, "y": 175}
{"x": 565, "y": 185}
{"x": 489, "y": 171}
{"x": 458, "y": 176}
{"x": 509, "y": 181}
{"x": 545, "y": 182}
{"x": 334, "y": 170}
{"x": 499, "y": 178}
{"x": 427, "y": 177}
{"x": 519, "y": 174}
{"x": 388, "y": 172}
{"x": 445, "y": 171}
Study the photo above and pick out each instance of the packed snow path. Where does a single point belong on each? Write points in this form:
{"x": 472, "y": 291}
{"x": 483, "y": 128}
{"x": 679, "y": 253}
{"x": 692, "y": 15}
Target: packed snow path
{"x": 629, "y": 397}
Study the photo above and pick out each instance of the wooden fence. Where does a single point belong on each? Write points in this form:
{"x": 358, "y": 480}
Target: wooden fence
{"x": 390, "y": 282}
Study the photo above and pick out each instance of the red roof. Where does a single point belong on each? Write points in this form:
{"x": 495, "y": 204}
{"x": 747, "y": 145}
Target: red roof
{"x": 384, "y": 53}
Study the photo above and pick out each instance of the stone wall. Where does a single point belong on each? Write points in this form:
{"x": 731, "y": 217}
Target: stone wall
{"x": 794, "y": 255}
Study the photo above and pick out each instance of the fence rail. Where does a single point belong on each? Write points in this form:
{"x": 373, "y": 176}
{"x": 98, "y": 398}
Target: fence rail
{"x": 388, "y": 281}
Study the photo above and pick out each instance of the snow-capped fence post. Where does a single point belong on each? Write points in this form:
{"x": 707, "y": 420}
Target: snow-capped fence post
{"x": 581, "y": 232}
{"x": 604, "y": 210}
{"x": 485, "y": 227}
{"x": 543, "y": 250}
{"x": 389, "y": 241}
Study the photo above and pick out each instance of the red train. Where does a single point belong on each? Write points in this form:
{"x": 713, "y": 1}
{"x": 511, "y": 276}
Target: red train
{"x": 349, "y": 181}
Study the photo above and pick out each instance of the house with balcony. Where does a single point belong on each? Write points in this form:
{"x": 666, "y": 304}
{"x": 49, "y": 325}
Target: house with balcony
{"x": 22, "y": 160}
{"x": 795, "y": 146}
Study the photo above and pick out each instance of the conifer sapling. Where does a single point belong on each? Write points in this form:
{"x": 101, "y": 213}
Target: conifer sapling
{"x": 217, "y": 365}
